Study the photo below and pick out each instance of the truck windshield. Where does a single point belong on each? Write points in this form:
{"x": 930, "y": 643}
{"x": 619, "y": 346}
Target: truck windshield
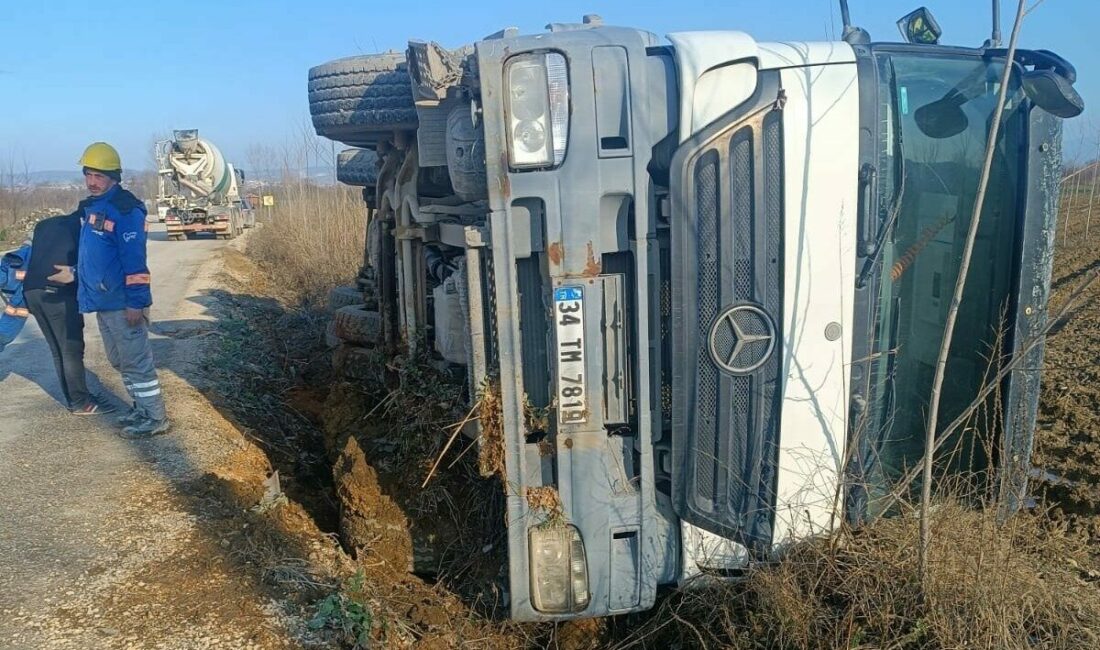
{"x": 936, "y": 113}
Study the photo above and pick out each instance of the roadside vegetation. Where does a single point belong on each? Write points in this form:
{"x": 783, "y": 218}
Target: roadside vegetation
{"x": 22, "y": 207}
{"x": 24, "y": 202}
{"x": 1032, "y": 580}
{"x": 311, "y": 239}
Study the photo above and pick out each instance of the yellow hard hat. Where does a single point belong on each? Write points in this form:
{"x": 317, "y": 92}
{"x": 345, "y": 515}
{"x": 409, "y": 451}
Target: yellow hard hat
{"x": 101, "y": 156}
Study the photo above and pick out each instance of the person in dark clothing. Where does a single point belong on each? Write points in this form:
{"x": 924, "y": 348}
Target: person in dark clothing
{"x": 50, "y": 293}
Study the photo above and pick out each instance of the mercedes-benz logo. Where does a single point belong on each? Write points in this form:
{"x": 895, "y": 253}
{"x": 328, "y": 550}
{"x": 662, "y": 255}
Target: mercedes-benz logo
{"x": 742, "y": 339}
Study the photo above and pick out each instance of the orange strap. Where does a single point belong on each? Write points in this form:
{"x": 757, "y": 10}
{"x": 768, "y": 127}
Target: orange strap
{"x": 906, "y": 260}
{"x": 138, "y": 278}
{"x": 18, "y": 312}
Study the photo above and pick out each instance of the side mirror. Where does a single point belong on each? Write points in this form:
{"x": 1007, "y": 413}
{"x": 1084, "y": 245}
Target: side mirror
{"x": 943, "y": 118}
{"x": 1052, "y": 93}
{"x": 920, "y": 28}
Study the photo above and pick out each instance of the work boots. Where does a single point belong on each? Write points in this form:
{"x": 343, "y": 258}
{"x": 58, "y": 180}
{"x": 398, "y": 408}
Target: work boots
{"x": 132, "y": 416}
{"x": 145, "y": 428}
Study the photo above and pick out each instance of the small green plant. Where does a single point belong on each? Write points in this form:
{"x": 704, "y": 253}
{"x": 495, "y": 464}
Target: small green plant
{"x": 345, "y": 614}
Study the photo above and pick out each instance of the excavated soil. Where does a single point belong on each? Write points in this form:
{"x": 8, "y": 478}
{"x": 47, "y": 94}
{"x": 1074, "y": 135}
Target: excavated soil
{"x": 426, "y": 560}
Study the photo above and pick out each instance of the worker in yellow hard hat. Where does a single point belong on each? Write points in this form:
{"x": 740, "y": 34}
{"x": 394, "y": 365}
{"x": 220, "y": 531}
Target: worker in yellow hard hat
{"x": 113, "y": 282}
{"x": 102, "y": 159}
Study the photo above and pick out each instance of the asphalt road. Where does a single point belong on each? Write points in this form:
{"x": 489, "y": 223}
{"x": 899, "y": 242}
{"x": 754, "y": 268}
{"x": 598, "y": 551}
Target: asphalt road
{"x": 82, "y": 511}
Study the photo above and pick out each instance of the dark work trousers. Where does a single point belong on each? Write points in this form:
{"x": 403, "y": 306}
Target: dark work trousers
{"x": 62, "y": 324}
{"x": 129, "y": 351}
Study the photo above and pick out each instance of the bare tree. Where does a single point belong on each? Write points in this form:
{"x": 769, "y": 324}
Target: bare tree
{"x": 960, "y": 284}
{"x": 15, "y": 181}
{"x": 1092, "y": 190}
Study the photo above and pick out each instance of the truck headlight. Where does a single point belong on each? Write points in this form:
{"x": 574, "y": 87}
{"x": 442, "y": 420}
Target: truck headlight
{"x": 559, "y": 570}
{"x": 537, "y": 102}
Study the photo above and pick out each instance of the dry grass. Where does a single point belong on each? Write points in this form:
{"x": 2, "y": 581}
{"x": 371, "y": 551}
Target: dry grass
{"x": 490, "y": 459}
{"x": 547, "y": 501}
{"x": 22, "y": 207}
{"x": 23, "y": 203}
{"x": 1026, "y": 583}
{"x": 312, "y": 240}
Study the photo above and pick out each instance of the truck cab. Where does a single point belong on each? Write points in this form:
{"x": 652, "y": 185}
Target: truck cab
{"x": 721, "y": 268}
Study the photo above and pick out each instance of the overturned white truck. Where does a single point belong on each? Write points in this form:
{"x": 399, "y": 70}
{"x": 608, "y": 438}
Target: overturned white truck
{"x": 722, "y": 266}
{"x": 198, "y": 191}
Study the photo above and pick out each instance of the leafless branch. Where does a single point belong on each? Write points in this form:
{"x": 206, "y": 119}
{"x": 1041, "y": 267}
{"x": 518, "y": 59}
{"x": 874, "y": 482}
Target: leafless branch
{"x": 960, "y": 284}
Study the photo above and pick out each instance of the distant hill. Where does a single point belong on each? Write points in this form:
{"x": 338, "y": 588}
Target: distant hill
{"x": 320, "y": 174}
{"x": 50, "y": 176}
{"x": 58, "y": 177}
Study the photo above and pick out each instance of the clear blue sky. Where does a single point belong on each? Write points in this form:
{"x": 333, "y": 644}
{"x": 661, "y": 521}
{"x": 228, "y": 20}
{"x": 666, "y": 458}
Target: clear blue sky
{"x": 73, "y": 72}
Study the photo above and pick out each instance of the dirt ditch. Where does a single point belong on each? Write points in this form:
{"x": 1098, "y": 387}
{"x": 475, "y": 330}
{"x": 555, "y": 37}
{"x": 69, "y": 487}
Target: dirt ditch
{"x": 425, "y": 561}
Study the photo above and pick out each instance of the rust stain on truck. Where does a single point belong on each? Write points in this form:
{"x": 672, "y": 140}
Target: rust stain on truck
{"x": 592, "y": 267}
{"x": 556, "y": 253}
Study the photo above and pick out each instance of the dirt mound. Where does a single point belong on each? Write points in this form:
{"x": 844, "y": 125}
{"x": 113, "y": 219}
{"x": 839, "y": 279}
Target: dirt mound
{"x": 396, "y": 527}
{"x": 389, "y": 443}
{"x": 356, "y": 454}
{"x": 371, "y": 523}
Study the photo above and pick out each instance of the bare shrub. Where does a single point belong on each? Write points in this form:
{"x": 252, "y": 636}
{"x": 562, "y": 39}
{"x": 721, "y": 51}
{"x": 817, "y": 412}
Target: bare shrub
{"x": 1025, "y": 583}
{"x": 311, "y": 240}
{"x": 22, "y": 206}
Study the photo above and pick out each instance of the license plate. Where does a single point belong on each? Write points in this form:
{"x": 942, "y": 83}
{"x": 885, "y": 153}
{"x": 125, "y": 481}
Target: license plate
{"x": 569, "y": 324}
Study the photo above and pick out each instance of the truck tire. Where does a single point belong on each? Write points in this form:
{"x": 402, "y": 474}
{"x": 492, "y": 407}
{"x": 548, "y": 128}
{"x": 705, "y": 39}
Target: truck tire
{"x": 358, "y": 99}
{"x": 355, "y": 324}
{"x": 343, "y": 296}
{"x": 466, "y": 155}
{"x": 358, "y": 167}
{"x": 355, "y": 362}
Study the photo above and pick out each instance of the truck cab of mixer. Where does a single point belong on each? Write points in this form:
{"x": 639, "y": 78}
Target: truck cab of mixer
{"x": 717, "y": 269}
{"x": 724, "y": 267}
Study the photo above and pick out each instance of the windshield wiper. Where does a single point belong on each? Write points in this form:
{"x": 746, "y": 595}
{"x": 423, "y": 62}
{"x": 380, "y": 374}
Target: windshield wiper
{"x": 880, "y": 244}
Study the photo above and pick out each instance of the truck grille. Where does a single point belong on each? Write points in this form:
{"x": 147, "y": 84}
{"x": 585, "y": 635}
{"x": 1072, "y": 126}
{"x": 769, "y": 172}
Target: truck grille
{"x": 727, "y": 310}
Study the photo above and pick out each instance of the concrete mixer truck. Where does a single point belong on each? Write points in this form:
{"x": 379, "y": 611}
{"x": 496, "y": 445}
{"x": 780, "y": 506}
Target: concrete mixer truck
{"x": 197, "y": 190}
{"x": 721, "y": 267}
